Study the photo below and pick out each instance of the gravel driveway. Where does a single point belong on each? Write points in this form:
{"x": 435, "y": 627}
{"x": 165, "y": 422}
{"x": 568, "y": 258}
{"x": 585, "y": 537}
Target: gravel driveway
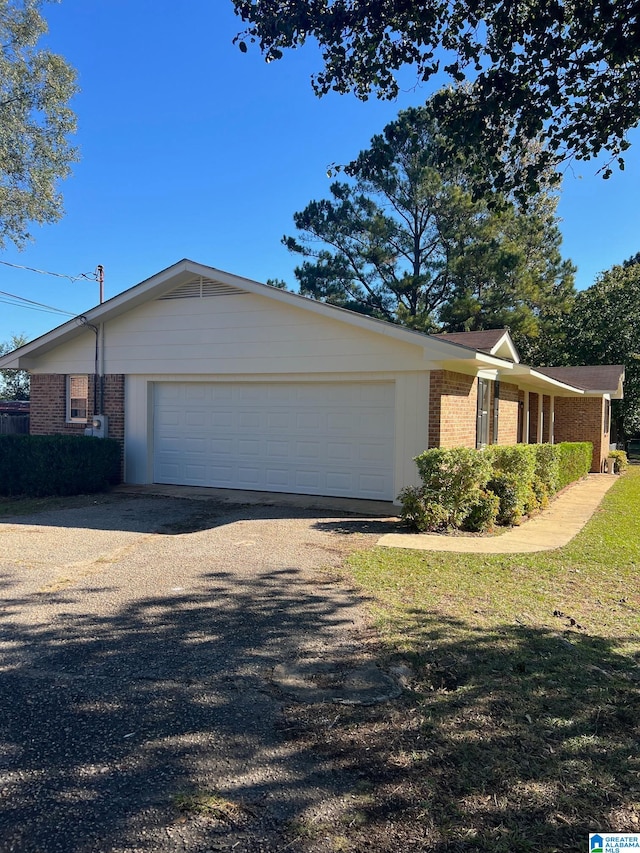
{"x": 137, "y": 642}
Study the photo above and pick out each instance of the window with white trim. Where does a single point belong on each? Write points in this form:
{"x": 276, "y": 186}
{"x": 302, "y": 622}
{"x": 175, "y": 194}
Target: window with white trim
{"x": 482, "y": 414}
{"x": 77, "y": 398}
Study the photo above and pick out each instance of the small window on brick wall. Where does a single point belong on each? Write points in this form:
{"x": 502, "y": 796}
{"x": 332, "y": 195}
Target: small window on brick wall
{"x": 77, "y": 397}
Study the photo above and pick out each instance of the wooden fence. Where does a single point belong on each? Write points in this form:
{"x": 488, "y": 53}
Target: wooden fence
{"x": 14, "y": 424}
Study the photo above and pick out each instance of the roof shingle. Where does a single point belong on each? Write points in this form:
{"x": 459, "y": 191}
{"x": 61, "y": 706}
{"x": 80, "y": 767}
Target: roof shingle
{"x": 603, "y": 377}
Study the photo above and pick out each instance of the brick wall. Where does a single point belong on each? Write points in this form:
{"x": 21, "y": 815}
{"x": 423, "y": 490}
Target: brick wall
{"x": 582, "y": 419}
{"x": 452, "y": 409}
{"x": 453, "y": 400}
{"x": 49, "y": 405}
{"x": 507, "y": 415}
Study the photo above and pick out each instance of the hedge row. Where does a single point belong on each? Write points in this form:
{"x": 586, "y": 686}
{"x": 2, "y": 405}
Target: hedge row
{"x": 477, "y": 489}
{"x": 40, "y": 465}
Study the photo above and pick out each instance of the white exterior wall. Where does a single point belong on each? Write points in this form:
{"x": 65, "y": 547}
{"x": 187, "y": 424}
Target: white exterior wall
{"x": 240, "y": 334}
{"x": 246, "y": 337}
{"x": 411, "y": 418}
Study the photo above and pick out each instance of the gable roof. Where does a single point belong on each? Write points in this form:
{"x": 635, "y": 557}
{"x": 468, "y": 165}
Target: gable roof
{"x": 188, "y": 274}
{"x": 468, "y": 352}
{"x": 601, "y": 378}
{"x": 493, "y": 341}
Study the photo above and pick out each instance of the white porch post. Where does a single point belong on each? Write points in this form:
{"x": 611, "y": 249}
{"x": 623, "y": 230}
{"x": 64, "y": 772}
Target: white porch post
{"x": 540, "y": 418}
{"x": 552, "y": 419}
{"x": 525, "y": 419}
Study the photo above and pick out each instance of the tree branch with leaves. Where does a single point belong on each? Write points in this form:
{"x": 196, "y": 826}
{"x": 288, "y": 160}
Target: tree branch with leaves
{"x": 566, "y": 72}
{"x": 36, "y": 120}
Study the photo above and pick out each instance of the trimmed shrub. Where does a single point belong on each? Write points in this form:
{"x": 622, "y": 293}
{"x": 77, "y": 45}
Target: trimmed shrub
{"x": 519, "y": 460}
{"x": 512, "y": 481}
{"x": 547, "y": 468}
{"x": 41, "y": 465}
{"x": 472, "y": 490}
{"x": 483, "y": 514}
{"x": 422, "y": 510}
{"x": 509, "y": 492}
{"x": 454, "y": 479}
{"x": 574, "y": 461}
{"x": 540, "y": 491}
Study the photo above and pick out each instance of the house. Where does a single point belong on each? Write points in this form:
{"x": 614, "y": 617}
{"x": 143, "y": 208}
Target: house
{"x": 210, "y": 379}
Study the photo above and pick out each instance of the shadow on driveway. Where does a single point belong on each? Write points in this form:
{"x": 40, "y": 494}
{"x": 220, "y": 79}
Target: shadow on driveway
{"x": 106, "y": 719}
{"x": 127, "y": 688}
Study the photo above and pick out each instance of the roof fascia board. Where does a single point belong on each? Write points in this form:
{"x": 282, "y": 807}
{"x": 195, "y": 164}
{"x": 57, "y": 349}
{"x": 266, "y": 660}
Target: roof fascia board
{"x": 612, "y": 395}
{"x": 506, "y": 339}
{"x": 475, "y": 361}
{"x": 539, "y": 379}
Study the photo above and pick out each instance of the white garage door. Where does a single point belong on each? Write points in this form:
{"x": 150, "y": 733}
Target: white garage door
{"x": 316, "y": 439}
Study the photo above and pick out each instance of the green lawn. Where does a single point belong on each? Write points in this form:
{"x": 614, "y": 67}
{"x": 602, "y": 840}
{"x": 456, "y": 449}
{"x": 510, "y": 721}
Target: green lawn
{"x": 595, "y": 581}
{"x": 523, "y": 729}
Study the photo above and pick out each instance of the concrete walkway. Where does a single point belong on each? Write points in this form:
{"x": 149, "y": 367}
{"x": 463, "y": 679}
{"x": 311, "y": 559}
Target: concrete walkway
{"x": 553, "y": 528}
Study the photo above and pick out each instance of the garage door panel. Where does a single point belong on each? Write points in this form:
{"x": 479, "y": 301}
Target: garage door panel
{"x": 247, "y": 420}
{"x": 339, "y": 452}
{"x": 277, "y": 448}
{"x": 307, "y": 480}
{"x": 248, "y": 478}
{"x": 169, "y": 418}
{"x": 221, "y": 474}
{"x": 313, "y": 438}
{"x": 372, "y": 453}
{"x": 249, "y": 447}
{"x": 196, "y": 472}
{"x": 340, "y": 481}
{"x": 277, "y": 479}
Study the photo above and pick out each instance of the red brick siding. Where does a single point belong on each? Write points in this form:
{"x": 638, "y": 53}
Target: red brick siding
{"x": 582, "y": 419}
{"x": 49, "y": 405}
{"x": 507, "y": 415}
{"x": 452, "y": 409}
{"x": 436, "y": 380}
{"x": 113, "y": 404}
{"x": 453, "y": 401}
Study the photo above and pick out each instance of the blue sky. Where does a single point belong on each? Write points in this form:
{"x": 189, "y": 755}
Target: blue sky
{"x": 190, "y": 148}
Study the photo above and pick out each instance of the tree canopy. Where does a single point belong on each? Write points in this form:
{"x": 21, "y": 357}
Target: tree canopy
{"x": 406, "y": 241}
{"x": 14, "y": 384}
{"x": 604, "y": 328}
{"x": 36, "y": 86}
{"x": 565, "y": 71}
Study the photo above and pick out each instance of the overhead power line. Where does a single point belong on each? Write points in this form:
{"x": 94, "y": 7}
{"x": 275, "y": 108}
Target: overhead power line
{"x": 22, "y": 302}
{"x": 89, "y": 276}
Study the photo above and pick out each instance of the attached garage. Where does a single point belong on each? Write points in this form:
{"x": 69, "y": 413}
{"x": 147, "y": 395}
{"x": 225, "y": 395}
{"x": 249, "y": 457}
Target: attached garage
{"x": 317, "y": 438}
{"x": 210, "y": 379}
